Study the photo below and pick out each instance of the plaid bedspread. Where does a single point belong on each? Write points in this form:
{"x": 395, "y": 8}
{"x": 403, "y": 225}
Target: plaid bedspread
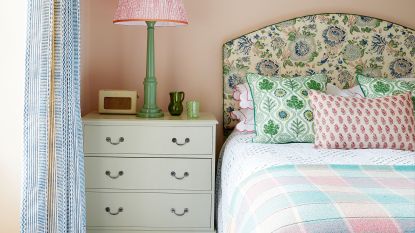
{"x": 325, "y": 198}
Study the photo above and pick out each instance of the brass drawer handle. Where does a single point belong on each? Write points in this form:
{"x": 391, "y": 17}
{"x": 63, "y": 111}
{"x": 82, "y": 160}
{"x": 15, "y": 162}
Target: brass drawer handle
{"x": 186, "y": 140}
{"x": 108, "y": 173}
{"x": 173, "y": 173}
{"x": 108, "y": 139}
{"x": 186, "y": 210}
{"x": 108, "y": 210}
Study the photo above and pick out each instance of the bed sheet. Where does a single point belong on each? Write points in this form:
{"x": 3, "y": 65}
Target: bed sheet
{"x": 241, "y": 158}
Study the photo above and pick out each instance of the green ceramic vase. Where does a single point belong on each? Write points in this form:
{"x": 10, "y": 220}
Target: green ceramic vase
{"x": 176, "y": 103}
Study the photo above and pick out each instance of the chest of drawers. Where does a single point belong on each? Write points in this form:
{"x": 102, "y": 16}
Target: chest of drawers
{"x": 149, "y": 175}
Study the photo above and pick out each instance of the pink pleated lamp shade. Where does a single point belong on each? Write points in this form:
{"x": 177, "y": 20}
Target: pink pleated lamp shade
{"x": 137, "y": 12}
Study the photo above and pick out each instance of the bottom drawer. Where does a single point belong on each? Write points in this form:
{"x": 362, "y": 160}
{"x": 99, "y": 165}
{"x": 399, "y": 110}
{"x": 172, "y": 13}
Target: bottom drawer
{"x": 148, "y": 210}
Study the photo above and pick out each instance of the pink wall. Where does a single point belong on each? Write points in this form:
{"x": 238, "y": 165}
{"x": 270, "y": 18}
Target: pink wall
{"x": 190, "y": 58}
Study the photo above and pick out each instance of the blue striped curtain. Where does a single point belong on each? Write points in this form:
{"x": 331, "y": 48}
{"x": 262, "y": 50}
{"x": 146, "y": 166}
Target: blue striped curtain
{"x": 53, "y": 195}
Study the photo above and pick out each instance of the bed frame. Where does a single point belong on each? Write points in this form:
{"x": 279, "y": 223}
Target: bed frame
{"x": 339, "y": 45}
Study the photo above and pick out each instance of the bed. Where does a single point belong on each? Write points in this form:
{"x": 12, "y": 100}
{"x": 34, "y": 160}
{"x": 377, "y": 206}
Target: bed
{"x": 294, "y": 187}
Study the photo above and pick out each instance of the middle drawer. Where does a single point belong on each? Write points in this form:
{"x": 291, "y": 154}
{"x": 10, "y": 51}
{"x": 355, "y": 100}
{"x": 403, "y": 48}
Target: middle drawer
{"x": 148, "y": 173}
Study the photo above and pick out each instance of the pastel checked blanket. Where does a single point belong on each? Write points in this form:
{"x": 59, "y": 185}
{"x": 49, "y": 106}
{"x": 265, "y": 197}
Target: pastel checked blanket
{"x": 325, "y": 198}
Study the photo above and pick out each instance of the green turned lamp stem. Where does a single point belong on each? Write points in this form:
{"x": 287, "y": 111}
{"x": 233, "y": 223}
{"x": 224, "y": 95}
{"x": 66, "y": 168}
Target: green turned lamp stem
{"x": 150, "y": 109}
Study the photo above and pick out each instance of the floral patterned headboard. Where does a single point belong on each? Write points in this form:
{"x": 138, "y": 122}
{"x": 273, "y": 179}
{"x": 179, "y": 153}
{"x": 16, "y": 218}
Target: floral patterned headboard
{"x": 339, "y": 45}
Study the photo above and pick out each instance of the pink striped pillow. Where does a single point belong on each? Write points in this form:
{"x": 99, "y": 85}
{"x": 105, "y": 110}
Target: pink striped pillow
{"x": 357, "y": 123}
{"x": 246, "y": 120}
{"x": 245, "y": 113}
{"x": 242, "y": 93}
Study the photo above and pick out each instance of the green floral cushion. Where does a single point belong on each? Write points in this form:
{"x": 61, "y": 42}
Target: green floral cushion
{"x": 379, "y": 87}
{"x": 281, "y": 107}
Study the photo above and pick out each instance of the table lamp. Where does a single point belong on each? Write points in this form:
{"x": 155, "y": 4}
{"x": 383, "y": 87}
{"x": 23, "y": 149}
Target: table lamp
{"x": 150, "y": 13}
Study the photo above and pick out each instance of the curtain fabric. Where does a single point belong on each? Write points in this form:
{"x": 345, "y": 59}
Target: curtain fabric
{"x": 53, "y": 195}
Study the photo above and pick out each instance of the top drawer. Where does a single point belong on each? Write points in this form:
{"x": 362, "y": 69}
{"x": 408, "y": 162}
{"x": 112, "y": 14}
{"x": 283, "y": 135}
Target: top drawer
{"x": 124, "y": 139}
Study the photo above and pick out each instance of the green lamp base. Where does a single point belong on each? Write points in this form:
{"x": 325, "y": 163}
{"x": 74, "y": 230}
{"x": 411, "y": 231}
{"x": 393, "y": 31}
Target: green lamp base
{"x": 150, "y": 109}
{"x": 150, "y": 113}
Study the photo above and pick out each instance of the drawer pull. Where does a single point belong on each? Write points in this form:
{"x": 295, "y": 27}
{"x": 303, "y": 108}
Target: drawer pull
{"x": 108, "y": 139}
{"x": 174, "y": 140}
{"x": 186, "y": 210}
{"x": 108, "y": 210}
{"x": 108, "y": 173}
{"x": 173, "y": 173}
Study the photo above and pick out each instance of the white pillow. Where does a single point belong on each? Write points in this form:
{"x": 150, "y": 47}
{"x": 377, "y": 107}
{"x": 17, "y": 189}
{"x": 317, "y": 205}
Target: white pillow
{"x": 353, "y": 92}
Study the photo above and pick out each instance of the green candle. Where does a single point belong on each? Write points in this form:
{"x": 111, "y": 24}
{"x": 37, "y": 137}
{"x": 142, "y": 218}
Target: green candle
{"x": 193, "y": 109}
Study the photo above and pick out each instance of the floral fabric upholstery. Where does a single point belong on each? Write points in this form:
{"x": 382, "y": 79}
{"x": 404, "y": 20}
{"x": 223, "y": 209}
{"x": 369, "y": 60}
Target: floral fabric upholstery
{"x": 338, "y": 45}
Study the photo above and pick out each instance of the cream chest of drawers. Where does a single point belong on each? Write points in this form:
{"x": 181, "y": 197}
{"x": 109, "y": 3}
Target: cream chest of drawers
{"x": 149, "y": 175}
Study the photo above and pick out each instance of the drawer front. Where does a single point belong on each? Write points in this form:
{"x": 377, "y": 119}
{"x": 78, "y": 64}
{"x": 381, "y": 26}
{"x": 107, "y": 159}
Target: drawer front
{"x": 148, "y": 139}
{"x": 148, "y": 210}
{"x": 148, "y": 173}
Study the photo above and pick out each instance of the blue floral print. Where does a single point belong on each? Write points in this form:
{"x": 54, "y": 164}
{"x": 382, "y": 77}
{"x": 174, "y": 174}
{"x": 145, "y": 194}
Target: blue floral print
{"x": 334, "y": 35}
{"x": 302, "y": 48}
{"x": 400, "y": 68}
{"x": 268, "y": 68}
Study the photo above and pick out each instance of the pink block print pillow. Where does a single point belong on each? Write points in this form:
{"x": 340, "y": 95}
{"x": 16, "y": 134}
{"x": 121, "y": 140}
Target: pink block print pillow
{"x": 357, "y": 123}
